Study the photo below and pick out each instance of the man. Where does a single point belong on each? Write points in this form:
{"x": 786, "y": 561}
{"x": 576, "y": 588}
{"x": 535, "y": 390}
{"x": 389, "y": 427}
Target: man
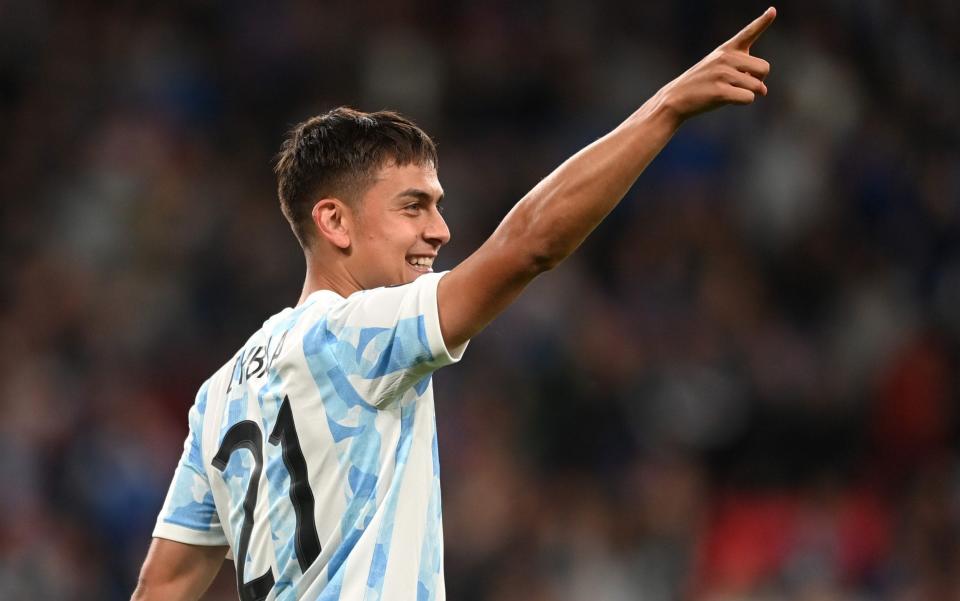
{"x": 312, "y": 454}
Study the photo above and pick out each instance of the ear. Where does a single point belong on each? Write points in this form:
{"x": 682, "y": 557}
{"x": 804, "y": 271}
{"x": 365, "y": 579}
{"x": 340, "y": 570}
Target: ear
{"x": 331, "y": 217}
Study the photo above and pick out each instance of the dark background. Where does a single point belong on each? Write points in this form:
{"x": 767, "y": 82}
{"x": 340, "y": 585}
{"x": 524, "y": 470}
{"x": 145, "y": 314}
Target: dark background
{"x": 742, "y": 387}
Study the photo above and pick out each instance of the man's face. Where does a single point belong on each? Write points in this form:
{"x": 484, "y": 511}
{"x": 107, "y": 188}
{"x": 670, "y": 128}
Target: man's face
{"x": 398, "y": 227}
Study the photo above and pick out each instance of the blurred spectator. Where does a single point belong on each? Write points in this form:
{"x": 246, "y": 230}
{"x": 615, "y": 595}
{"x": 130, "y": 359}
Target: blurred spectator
{"x": 742, "y": 388}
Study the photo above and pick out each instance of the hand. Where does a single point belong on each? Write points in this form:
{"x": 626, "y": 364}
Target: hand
{"x": 728, "y": 75}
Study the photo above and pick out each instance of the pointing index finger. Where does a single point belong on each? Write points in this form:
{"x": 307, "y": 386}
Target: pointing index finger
{"x": 749, "y": 34}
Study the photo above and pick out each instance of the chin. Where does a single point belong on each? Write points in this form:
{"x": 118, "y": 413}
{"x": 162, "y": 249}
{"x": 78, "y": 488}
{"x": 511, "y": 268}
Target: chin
{"x": 413, "y": 274}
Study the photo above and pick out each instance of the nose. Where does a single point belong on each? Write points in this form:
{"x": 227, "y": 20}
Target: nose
{"x": 436, "y": 233}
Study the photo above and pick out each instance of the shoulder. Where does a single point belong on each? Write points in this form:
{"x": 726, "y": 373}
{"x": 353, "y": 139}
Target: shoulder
{"x": 389, "y": 303}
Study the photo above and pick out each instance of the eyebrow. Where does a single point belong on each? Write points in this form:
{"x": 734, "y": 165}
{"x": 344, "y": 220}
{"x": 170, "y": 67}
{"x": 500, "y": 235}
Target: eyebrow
{"x": 421, "y": 195}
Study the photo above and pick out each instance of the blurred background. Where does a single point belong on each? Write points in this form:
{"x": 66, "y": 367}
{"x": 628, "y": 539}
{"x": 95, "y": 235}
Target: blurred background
{"x": 744, "y": 387}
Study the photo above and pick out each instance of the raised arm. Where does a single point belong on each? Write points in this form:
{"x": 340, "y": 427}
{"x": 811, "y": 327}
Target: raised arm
{"x": 554, "y": 218}
{"x": 177, "y": 571}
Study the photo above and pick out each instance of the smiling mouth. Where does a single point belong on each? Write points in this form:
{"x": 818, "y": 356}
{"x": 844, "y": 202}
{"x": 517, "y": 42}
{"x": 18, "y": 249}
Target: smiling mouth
{"x": 421, "y": 264}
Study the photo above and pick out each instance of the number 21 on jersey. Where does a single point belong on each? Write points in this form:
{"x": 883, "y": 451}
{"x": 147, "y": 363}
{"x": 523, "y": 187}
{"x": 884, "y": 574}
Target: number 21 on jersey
{"x": 247, "y": 435}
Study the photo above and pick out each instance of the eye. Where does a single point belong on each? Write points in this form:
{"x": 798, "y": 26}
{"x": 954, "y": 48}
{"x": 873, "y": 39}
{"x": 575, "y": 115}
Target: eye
{"x": 413, "y": 208}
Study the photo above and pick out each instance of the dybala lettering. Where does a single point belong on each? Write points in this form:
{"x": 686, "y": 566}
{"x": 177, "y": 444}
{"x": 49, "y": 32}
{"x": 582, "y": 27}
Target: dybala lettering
{"x": 256, "y": 361}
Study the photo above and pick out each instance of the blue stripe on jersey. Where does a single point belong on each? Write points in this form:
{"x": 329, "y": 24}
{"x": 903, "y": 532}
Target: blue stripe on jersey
{"x": 196, "y": 450}
{"x": 346, "y": 392}
{"x": 393, "y": 349}
{"x": 407, "y": 347}
{"x": 332, "y": 359}
{"x": 366, "y": 335}
{"x": 236, "y": 474}
{"x": 193, "y": 515}
{"x": 282, "y": 522}
{"x": 430, "y": 552}
{"x": 378, "y": 567}
{"x": 363, "y": 453}
{"x": 187, "y": 510}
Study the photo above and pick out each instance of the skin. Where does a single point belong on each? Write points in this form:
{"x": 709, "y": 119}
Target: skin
{"x": 370, "y": 244}
{"x": 178, "y": 571}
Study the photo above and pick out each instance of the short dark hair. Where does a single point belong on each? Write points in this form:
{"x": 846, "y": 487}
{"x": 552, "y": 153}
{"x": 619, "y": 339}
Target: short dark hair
{"x": 338, "y": 154}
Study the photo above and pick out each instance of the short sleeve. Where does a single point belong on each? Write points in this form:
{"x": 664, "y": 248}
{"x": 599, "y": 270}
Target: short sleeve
{"x": 189, "y": 514}
{"x": 385, "y": 340}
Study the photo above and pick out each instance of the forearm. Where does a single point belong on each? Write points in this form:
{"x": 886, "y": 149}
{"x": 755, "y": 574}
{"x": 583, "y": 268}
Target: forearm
{"x": 176, "y": 571}
{"x": 554, "y": 218}
{"x": 168, "y": 591}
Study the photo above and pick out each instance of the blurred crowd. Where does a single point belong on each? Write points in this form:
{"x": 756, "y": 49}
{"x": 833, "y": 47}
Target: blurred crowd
{"x": 742, "y": 388}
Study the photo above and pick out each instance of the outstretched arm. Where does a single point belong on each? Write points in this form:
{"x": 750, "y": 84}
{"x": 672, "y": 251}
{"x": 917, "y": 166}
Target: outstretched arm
{"x": 554, "y": 218}
{"x": 177, "y": 571}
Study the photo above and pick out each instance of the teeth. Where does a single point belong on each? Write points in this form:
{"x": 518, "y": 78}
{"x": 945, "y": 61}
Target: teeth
{"x": 421, "y": 261}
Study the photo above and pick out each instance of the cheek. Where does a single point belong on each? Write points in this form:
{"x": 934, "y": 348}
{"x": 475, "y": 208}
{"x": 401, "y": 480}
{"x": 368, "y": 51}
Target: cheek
{"x": 372, "y": 239}
{"x": 387, "y": 241}
{"x": 385, "y": 250}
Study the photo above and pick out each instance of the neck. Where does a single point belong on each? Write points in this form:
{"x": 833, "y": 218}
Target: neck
{"x": 337, "y": 280}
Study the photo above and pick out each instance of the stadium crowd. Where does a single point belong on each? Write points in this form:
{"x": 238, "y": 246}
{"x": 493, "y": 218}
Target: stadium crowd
{"x": 742, "y": 388}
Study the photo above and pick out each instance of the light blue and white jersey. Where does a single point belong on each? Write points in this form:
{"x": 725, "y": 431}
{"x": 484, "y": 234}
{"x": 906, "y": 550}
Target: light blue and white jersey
{"x": 313, "y": 452}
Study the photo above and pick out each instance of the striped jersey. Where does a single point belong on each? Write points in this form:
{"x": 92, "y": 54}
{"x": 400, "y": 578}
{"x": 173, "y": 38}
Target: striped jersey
{"x": 313, "y": 452}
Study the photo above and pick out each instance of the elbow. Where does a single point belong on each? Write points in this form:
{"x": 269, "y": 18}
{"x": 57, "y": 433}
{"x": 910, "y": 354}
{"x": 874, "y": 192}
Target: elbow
{"x": 543, "y": 261}
{"x": 528, "y": 243}
{"x": 548, "y": 243}
{"x": 537, "y": 254}
{"x": 546, "y": 253}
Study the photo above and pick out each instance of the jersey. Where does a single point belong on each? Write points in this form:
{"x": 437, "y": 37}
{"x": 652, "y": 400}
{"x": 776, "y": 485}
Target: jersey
{"x": 313, "y": 452}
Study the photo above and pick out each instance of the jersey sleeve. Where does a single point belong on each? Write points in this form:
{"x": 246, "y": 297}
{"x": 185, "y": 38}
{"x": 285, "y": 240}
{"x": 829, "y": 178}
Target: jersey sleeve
{"x": 189, "y": 514}
{"x": 386, "y": 340}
